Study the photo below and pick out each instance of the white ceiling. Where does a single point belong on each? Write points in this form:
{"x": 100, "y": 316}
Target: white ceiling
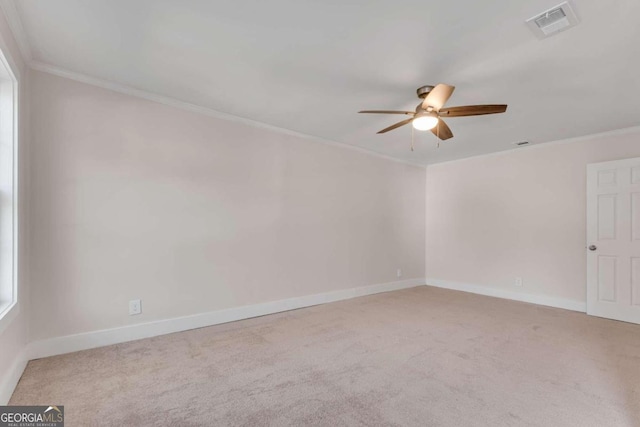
{"x": 309, "y": 66}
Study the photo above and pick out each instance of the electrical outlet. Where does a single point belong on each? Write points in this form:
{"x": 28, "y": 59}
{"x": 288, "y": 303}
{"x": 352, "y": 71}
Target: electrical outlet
{"x": 518, "y": 281}
{"x": 399, "y": 273}
{"x": 135, "y": 307}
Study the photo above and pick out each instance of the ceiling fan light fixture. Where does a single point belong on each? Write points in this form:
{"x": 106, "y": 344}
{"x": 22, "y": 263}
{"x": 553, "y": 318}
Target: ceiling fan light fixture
{"x": 425, "y": 122}
{"x": 429, "y": 112}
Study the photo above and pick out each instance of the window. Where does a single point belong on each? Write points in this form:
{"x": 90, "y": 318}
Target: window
{"x": 8, "y": 182}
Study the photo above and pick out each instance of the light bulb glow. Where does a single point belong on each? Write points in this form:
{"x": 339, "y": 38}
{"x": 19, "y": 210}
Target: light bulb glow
{"x": 425, "y": 122}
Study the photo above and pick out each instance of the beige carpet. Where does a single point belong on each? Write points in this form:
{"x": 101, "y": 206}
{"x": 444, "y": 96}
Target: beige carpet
{"x": 418, "y": 357}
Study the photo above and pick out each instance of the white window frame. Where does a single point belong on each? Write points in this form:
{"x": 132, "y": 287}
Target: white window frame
{"x": 9, "y": 306}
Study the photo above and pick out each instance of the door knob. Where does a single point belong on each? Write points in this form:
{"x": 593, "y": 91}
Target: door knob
{"x": 593, "y": 247}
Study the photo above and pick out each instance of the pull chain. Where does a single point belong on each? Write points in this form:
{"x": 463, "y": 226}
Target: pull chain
{"x": 412, "y": 133}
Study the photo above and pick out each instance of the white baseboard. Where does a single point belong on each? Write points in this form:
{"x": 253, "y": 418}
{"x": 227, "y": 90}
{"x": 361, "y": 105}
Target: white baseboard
{"x": 87, "y": 340}
{"x": 566, "y": 304}
{"x": 11, "y": 377}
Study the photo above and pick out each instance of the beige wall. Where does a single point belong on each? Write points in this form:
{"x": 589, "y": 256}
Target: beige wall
{"x": 134, "y": 199}
{"x": 519, "y": 214}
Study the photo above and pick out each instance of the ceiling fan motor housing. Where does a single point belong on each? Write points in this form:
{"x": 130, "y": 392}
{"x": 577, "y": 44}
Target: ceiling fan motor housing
{"x": 424, "y": 91}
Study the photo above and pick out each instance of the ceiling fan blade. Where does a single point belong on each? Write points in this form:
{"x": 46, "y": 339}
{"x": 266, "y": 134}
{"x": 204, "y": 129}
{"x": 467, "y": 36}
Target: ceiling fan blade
{"x": 438, "y": 96}
{"x": 387, "y": 112}
{"x": 442, "y": 131}
{"x": 472, "y": 110}
{"x": 397, "y": 125}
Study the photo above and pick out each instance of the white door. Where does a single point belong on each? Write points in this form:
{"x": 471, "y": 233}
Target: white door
{"x": 613, "y": 240}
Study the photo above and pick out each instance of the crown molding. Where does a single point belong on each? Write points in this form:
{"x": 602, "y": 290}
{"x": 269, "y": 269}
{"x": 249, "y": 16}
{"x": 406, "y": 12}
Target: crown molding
{"x": 589, "y": 137}
{"x": 176, "y": 103}
{"x": 12, "y": 15}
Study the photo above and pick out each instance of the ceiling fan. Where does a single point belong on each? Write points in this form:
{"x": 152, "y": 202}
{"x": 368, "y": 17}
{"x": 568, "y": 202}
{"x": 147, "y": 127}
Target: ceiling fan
{"x": 429, "y": 113}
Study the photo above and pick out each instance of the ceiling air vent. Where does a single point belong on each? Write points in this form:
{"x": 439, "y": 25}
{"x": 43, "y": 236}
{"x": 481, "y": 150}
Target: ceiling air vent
{"x": 521, "y": 143}
{"x": 554, "y": 20}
